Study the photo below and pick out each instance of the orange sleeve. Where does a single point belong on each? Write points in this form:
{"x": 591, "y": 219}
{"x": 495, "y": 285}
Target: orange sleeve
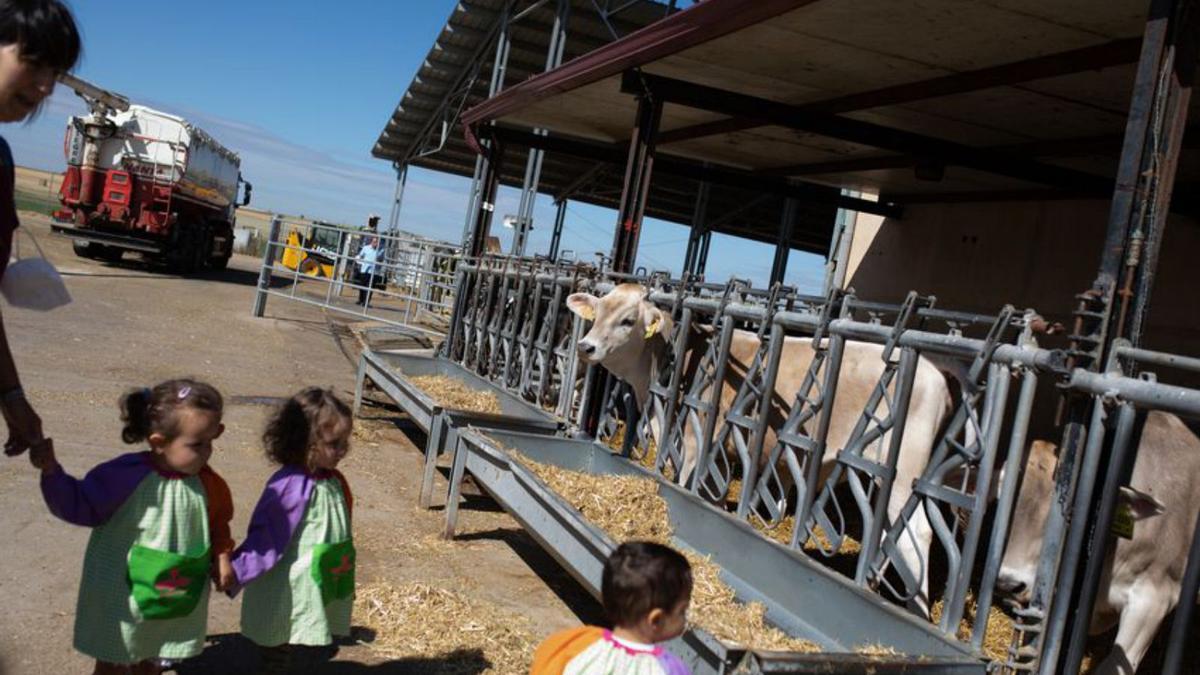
{"x": 220, "y": 510}
{"x": 346, "y": 492}
{"x": 553, "y": 655}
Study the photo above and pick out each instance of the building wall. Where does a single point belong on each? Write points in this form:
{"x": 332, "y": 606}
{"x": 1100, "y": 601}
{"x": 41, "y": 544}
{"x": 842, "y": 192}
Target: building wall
{"x": 977, "y": 257}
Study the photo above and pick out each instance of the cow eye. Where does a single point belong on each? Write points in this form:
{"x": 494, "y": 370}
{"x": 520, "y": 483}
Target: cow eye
{"x": 627, "y": 322}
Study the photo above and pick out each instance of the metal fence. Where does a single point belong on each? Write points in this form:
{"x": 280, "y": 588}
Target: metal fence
{"x": 409, "y": 283}
{"x": 857, "y": 454}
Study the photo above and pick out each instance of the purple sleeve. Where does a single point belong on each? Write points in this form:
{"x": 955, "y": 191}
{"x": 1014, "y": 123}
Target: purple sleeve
{"x": 671, "y": 664}
{"x": 272, "y": 526}
{"x": 92, "y": 501}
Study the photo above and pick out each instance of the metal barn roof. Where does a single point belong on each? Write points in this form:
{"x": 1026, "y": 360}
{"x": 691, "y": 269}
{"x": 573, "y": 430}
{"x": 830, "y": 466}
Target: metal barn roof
{"x": 924, "y": 100}
{"x": 424, "y": 129}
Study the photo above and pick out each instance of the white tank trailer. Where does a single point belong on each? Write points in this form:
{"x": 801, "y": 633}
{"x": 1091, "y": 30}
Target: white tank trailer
{"x": 142, "y": 180}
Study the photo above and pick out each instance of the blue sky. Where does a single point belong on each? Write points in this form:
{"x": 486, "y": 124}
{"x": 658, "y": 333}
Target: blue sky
{"x": 301, "y": 89}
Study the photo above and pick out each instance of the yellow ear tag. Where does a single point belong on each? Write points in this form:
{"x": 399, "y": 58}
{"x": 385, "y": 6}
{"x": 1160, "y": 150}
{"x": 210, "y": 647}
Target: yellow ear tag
{"x": 652, "y": 329}
{"x": 588, "y": 313}
{"x": 1122, "y": 524}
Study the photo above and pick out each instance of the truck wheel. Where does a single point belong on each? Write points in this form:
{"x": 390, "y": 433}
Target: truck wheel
{"x": 219, "y": 263}
{"x": 110, "y": 253}
{"x": 84, "y": 249}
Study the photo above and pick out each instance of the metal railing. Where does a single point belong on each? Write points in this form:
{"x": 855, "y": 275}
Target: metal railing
{"x": 409, "y": 283}
{"x": 834, "y": 462}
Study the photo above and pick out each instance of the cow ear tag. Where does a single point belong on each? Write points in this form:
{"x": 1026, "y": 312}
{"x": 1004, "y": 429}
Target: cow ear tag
{"x": 588, "y": 313}
{"x": 1122, "y": 524}
{"x": 652, "y": 329}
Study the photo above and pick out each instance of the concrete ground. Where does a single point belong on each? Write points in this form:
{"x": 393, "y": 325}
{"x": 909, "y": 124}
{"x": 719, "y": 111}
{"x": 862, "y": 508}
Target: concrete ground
{"x": 132, "y": 326}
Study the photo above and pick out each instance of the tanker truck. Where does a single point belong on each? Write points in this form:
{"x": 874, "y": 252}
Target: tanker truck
{"x": 142, "y": 180}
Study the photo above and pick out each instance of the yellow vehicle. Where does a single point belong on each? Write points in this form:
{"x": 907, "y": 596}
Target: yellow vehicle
{"x": 313, "y": 252}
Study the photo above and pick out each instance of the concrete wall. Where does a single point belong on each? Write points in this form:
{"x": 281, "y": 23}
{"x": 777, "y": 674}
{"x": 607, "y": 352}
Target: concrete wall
{"x": 977, "y": 257}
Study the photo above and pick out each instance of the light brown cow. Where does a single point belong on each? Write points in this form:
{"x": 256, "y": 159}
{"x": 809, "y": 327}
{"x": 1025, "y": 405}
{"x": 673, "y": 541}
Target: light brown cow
{"x": 1142, "y": 575}
{"x": 628, "y": 338}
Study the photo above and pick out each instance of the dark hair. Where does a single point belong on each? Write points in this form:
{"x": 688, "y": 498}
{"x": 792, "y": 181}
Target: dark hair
{"x": 641, "y": 576}
{"x": 44, "y": 30}
{"x": 153, "y": 411}
{"x": 300, "y": 423}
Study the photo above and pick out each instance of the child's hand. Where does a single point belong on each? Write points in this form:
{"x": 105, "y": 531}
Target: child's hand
{"x": 226, "y": 579}
{"x": 41, "y": 455}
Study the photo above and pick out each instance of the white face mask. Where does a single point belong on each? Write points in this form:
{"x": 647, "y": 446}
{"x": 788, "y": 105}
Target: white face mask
{"x": 33, "y": 283}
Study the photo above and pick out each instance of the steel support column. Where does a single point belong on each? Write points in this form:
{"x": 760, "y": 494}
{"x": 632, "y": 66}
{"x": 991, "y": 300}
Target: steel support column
{"x": 486, "y": 204}
{"x": 1144, "y": 182}
{"x": 636, "y": 189}
{"x": 495, "y": 85}
{"x": 533, "y": 164}
{"x": 560, "y": 217}
{"x": 783, "y": 245}
{"x": 394, "y": 214}
{"x": 698, "y": 227}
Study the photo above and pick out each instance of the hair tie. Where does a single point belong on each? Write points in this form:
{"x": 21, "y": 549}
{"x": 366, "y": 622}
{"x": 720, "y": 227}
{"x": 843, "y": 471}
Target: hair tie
{"x": 183, "y": 392}
{"x": 147, "y": 393}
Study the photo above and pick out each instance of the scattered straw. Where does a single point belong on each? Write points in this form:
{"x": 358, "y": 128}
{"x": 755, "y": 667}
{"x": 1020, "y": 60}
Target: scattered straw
{"x": 450, "y": 392}
{"x": 783, "y": 530}
{"x": 876, "y": 649}
{"x": 449, "y": 632}
{"x": 617, "y": 443}
{"x": 999, "y": 627}
{"x": 628, "y": 507}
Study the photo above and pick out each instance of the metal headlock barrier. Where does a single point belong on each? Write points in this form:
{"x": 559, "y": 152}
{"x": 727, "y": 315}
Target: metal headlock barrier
{"x": 409, "y": 283}
{"x": 849, "y": 445}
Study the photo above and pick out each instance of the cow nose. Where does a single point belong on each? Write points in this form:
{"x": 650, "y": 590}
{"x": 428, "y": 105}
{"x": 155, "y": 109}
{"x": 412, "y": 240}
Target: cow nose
{"x": 1010, "y": 585}
{"x": 586, "y": 348}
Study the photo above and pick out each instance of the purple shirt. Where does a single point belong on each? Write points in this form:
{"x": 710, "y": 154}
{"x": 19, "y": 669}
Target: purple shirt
{"x": 273, "y": 524}
{"x": 90, "y": 502}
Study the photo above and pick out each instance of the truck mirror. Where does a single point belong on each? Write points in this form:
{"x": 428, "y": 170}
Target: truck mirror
{"x": 246, "y": 194}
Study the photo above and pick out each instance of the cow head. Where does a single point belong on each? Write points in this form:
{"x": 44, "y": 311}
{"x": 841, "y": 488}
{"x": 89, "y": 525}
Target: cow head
{"x": 1019, "y": 567}
{"x": 623, "y": 322}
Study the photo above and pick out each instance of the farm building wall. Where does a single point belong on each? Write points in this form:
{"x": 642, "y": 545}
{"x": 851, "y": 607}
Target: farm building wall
{"x": 977, "y": 257}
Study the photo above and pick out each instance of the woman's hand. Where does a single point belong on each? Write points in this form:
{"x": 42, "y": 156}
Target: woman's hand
{"x": 24, "y": 425}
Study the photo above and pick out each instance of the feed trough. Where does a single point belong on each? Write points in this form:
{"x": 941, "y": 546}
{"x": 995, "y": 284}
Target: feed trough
{"x": 857, "y": 632}
{"x": 396, "y": 375}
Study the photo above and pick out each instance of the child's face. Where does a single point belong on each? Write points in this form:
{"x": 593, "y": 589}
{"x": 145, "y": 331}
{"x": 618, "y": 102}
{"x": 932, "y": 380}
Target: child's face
{"x": 191, "y": 448}
{"x": 667, "y": 625}
{"x": 333, "y": 445}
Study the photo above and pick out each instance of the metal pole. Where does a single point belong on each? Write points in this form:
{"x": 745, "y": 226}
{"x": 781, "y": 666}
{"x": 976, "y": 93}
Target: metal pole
{"x": 696, "y": 232}
{"x": 702, "y": 263}
{"x": 487, "y": 199}
{"x": 268, "y": 263}
{"x": 783, "y": 245}
{"x": 495, "y": 85}
{"x": 560, "y": 218}
{"x": 394, "y": 217}
{"x": 533, "y": 163}
{"x": 636, "y": 188}
{"x": 1120, "y": 460}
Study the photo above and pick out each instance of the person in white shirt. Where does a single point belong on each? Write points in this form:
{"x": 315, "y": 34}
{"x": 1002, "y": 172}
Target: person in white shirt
{"x": 366, "y": 258}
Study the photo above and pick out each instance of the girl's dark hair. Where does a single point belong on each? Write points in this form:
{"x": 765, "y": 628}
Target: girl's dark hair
{"x": 641, "y": 576}
{"x": 301, "y": 423}
{"x": 44, "y": 30}
{"x": 153, "y": 411}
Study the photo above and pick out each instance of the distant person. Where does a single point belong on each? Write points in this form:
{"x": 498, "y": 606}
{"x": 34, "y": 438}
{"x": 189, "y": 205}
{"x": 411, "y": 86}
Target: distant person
{"x": 646, "y": 589}
{"x": 38, "y": 42}
{"x": 160, "y": 530}
{"x": 297, "y": 562}
{"x": 367, "y": 257}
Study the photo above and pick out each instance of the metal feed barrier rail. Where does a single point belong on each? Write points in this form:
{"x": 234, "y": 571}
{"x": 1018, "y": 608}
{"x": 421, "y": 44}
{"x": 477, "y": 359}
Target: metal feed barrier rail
{"x": 410, "y": 285}
{"x": 510, "y": 326}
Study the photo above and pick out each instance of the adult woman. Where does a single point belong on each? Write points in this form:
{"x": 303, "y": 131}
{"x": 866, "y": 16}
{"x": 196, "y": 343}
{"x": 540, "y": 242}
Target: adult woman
{"x": 38, "y": 41}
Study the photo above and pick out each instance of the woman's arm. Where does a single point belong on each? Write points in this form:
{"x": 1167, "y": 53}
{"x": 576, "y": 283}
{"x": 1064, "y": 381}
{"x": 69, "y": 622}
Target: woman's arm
{"x": 24, "y": 425}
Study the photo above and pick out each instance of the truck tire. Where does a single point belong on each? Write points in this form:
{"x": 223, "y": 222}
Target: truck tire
{"x": 84, "y": 249}
{"x": 219, "y": 263}
{"x": 111, "y": 254}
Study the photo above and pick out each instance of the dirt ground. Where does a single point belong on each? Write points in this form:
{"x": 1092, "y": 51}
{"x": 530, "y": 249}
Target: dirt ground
{"x": 130, "y": 326}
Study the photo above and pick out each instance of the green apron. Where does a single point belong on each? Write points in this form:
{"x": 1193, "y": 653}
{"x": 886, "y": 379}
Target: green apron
{"x": 144, "y": 591}
{"x": 306, "y": 598}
